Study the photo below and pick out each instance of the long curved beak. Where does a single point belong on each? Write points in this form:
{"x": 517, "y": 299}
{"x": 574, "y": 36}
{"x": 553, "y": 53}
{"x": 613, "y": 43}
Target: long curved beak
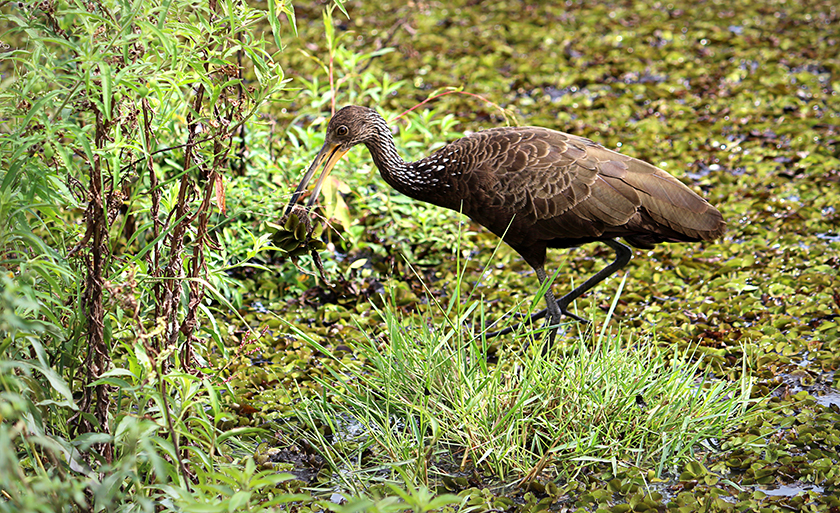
{"x": 332, "y": 153}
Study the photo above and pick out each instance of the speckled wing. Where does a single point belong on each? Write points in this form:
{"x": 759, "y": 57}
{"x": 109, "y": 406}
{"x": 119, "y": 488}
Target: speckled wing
{"x": 570, "y": 187}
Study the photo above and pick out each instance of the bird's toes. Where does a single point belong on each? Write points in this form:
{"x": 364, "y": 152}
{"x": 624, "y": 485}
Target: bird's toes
{"x": 564, "y": 309}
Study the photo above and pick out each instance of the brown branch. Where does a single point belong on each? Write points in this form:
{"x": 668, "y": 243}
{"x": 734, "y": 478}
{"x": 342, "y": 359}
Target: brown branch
{"x": 174, "y": 269}
{"x": 162, "y": 150}
{"x": 98, "y": 358}
{"x": 154, "y": 210}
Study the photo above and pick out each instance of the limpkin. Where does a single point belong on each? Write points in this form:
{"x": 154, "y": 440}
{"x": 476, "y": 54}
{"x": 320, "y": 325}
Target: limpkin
{"x": 535, "y": 188}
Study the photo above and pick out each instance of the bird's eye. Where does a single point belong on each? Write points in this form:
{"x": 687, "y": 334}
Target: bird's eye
{"x": 342, "y": 130}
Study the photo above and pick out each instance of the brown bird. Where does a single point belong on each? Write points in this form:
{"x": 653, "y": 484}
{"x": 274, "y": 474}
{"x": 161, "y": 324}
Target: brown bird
{"x": 535, "y": 188}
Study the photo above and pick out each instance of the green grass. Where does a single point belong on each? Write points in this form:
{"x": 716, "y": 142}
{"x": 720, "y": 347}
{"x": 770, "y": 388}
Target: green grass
{"x": 429, "y": 404}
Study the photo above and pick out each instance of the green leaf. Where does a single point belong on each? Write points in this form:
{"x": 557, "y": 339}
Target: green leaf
{"x": 107, "y": 95}
{"x": 37, "y": 106}
{"x": 58, "y": 384}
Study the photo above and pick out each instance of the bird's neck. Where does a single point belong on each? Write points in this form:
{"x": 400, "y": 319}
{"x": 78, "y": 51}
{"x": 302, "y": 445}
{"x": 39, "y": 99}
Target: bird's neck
{"x": 410, "y": 179}
{"x": 385, "y": 156}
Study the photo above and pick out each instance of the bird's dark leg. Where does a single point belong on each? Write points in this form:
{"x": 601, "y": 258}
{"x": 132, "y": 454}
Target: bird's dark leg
{"x": 555, "y": 313}
{"x": 623, "y": 254}
{"x": 553, "y": 310}
{"x": 556, "y": 308}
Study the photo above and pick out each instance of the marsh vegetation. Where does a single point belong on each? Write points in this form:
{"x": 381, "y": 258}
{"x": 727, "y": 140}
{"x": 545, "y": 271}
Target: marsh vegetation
{"x": 161, "y": 349}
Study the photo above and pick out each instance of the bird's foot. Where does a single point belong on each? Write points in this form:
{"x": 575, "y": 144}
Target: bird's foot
{"x": 505, "y": 331}
{"x": 533, "y": 317}
{"x": 564, "y": 309}
{"x": 551, "y": 323}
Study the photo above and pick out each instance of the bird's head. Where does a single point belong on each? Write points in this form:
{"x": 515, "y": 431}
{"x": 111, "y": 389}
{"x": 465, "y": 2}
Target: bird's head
{"x": 350, "y": 126}
{"x": 353, "y": 125}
